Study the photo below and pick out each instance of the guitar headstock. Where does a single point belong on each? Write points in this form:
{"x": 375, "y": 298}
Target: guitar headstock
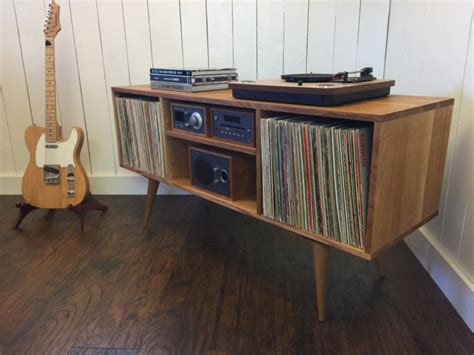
{"x": 52, "y": 25}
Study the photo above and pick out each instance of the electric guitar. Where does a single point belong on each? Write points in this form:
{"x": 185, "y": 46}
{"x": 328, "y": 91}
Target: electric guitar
{"x": 54, "y": 177}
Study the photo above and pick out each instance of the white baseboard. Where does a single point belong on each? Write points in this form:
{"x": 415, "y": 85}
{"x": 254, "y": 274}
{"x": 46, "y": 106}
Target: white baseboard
{"x": 448, "y": 276}
{"x": 100, "y": 185}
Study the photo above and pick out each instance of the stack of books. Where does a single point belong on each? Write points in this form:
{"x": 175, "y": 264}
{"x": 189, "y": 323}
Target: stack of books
{"x": 315, "y": 175}
{"x": 141, "y": 134}
{"x": 192, "y": 80}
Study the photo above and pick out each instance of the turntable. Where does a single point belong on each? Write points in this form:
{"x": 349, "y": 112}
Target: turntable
{"x": 315, "y": 89}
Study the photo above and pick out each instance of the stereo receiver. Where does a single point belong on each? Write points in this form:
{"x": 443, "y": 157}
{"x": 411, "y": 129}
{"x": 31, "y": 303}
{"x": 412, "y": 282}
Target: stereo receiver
{"x": 190, "y": 118}
{"x": 234, "y": 125}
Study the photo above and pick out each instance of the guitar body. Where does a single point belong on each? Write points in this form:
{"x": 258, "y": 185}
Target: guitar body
{"x": 61, "y": 154}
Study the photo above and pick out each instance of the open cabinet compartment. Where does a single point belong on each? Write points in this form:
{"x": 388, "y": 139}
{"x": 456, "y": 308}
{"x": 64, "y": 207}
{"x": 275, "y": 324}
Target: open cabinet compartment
{"x": 179, "y": 167}
{"x": 298, "y": 191}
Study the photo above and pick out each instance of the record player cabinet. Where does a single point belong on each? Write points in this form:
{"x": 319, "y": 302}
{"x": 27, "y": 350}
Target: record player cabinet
{"x": 410, "y": 140}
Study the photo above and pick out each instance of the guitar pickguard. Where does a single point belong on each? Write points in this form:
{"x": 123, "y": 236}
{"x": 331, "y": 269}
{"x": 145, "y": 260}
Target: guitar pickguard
{"x": 58, "y": 153}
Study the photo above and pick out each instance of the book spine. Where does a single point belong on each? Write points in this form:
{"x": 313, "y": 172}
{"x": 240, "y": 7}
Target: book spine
{"x": 170, "y": 72}
{"x": 171, "y": 78}
{"x": 187, "y": 87}
{"x": 171, "y": 86}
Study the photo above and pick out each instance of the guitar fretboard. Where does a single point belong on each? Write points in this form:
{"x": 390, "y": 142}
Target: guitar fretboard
{"x": 50, "y": 93}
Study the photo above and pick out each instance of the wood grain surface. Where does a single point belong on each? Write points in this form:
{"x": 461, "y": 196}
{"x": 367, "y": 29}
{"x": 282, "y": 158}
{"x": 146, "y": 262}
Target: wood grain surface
{"x": 42, "y": 195}
{"x": 205, "y": 279}
{"x": 376, "y": 110}
{"x": 406, "y": 177}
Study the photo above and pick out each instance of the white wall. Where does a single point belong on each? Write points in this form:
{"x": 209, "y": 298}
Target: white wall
{"x": 426, "y": 46}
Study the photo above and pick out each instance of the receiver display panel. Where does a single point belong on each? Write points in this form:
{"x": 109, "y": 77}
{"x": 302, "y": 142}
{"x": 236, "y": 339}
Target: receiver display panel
{"x": 233, "y": 125}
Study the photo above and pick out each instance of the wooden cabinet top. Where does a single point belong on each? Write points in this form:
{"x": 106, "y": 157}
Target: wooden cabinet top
{"x": 376, "y": 110}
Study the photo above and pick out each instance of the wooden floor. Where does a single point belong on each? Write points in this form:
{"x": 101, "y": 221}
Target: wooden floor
{"x": 204, "y": 280}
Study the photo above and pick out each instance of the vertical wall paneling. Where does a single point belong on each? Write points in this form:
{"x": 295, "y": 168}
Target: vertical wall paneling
{"x": 94, "y": 91}
{"x": 67, "y": 82}
{"x": 194, "y": 27}
{"x": 466, "y": 245}
{"x": 460, "y": 194}
{"x": 346, "y": 35}
{"x": 137, "y": 33}
{"x": 31, "y": 18}
{"x": 12, "y": 77}
{"x": 405, "y": 43}
{"x": 372, "y": 35}
{"x": 454, "y": 40}
{"x": 296, "y": 35}
{"x": 418, "y": 46}
{"x": 165, "y": 27}
{"x": 270, "y": 39}
{"x": 7, "y": 163}
{"x": 417, "y": 63}
{"x": 219, "y": 22}
{"x": 321, "y": 30}
{"x": 465, "y": 150}
{"x": 245, "y": 38}
{"x": 115, "y": 61}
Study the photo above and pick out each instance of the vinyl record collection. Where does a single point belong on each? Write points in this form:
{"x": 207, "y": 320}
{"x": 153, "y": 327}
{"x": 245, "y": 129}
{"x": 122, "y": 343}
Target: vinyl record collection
{"x": 141, "y": 134}
{"x": 315, "y": 175}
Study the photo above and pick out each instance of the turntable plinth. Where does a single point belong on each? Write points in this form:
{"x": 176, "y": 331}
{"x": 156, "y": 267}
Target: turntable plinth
{"x": 410, "y": 140}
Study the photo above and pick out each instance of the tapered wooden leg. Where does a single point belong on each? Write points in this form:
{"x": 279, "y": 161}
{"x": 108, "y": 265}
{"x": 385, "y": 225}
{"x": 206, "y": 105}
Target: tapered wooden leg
{"x": 150, "y": 199}
{"x": 320, "y": 261}
{"x": 380, "y": 266}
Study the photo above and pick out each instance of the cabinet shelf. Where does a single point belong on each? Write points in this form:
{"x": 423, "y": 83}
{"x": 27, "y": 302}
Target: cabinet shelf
{"x": 247, "y": 205}
{"x": 215, "y": 142}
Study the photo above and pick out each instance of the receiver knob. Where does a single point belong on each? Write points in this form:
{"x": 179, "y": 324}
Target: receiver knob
{"x": 195, "y": 121}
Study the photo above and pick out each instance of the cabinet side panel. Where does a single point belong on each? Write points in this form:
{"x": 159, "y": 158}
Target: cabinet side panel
{"x": 415, "y": 171}
{"x": 437, "y": 160}
{"x": 388, "y": 156}
{"x": 407, "y": 171}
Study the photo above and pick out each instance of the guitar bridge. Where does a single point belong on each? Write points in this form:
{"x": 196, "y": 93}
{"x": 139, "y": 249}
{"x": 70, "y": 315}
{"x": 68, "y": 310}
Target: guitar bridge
{"x": 51, "y": 174}
{"x": 70, "y": 180}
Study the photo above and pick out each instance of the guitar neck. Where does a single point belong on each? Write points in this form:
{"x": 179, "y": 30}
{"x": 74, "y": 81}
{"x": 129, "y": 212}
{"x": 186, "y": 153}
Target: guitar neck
{"x": 52, "y": 127}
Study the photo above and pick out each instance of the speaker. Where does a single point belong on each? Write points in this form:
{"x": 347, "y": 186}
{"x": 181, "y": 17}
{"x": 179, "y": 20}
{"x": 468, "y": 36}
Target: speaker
{"x": 220, "y": 172}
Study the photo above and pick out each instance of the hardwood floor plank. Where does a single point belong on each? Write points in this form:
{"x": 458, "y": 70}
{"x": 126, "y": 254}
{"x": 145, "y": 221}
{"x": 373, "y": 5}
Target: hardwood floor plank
{"x": 56, "y": 309}
{"x": 246, "y": 319}
{"x": 204, "y": 279}
{"x": 139, "y": 280}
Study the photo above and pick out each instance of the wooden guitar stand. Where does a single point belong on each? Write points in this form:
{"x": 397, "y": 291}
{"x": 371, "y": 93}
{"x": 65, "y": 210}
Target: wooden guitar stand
{"x": 88, "y": 204}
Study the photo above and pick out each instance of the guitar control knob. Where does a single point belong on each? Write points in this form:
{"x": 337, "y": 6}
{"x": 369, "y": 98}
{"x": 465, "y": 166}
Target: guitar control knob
{"x": 195, "y": 121}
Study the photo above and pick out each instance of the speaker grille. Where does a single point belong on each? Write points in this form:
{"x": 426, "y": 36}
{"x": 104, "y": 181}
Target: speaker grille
{"x": 203, "y": 170}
